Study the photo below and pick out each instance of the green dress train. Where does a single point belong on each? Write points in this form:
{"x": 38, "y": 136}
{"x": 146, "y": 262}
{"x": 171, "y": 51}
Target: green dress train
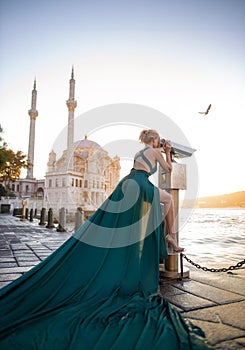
{"x": 99, "y": 290}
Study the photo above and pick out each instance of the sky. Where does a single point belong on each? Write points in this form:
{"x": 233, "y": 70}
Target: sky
{"x": 175, "y": 57}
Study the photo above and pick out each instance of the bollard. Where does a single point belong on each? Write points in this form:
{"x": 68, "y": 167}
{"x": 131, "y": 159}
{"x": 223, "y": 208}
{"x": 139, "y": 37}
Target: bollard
{"x": 79, "y": 218}
{"x": 24, "y": 206}
{"x": 42, "y": 218}
{"x": 35, "y": 213}
{"x": 62, "y": 220}
{"x": 174, "y": 181}
{"x": 50, "y": 218}
{"x": 172, "y": 261}
{"x": 27, "y": 213}
{"x": 31, "y": 215}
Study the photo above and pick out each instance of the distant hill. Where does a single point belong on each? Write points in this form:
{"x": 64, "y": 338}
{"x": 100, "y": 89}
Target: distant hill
{"x": 231, "y": 200}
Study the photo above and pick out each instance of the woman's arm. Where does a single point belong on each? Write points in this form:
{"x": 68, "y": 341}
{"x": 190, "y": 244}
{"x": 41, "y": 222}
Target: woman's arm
{"x": 167, "y": 149}
{"x": 165, "y": 164}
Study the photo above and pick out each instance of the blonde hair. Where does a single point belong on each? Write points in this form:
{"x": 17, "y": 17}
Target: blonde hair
{"x": 147, "y": 135}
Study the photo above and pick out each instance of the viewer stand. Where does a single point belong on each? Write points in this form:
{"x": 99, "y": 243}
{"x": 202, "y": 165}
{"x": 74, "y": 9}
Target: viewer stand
{"x": 173, "y": 182}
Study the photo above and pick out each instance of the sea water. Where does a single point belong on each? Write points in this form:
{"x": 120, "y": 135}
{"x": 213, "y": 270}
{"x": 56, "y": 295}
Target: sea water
{"x": 213, "y": 238}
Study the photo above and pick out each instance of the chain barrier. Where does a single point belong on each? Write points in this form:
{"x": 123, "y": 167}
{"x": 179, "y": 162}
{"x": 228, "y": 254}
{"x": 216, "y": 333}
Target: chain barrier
{"x": 223, "y": 269}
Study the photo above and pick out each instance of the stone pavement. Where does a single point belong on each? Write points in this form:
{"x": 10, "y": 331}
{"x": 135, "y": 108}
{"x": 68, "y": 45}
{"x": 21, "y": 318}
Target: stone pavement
{"x": 23, "y": 245}
{"x": 213, "y": 301}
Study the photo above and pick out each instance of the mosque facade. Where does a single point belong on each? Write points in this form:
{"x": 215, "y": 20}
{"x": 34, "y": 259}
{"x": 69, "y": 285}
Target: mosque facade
{"x": 88, "y": 180}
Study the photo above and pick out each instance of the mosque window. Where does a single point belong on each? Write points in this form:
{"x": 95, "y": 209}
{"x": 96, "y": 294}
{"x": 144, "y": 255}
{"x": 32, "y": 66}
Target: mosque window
{"x": 18, "y": 188}
{"x": 80, "y": 183}
{"x": 56, "y": 182}
{"x": 50, "y": 183}
{"x": 63, "y": 182}
{"x": 72, "y": 182}
{"x": 27, "y": 188}
{"x": 76, "y": 182}
{"x": 13, "y": 187}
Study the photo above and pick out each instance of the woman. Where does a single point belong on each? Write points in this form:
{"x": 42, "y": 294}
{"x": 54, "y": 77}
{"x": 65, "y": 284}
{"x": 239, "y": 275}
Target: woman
{"x": 147, "y": 160}
{"x": 99, "y": 289}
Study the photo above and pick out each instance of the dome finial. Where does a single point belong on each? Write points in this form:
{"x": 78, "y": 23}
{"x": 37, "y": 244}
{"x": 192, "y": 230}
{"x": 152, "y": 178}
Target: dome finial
{"x": 85, "y": 137}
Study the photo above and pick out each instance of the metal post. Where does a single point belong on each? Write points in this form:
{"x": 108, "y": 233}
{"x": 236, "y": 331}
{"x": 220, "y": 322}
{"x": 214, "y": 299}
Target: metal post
{"x": 31, "y": 215}
{"x": 42, "y": 218}
{"x": 62, "y": 220}
{"x": 174, "y": 182}
{"x": 27, "y": 213}
{"x": 181, "y": 265}
{"x": 50, "y": 218}
{"x": 79, "y": 218}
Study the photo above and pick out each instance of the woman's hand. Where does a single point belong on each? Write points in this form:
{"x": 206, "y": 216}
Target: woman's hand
{"x": 167, "y": 146}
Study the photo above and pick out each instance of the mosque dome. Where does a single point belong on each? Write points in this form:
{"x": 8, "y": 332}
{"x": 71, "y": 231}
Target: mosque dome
{"x": 85, "y": 143}
{"x": 85, "y": 147}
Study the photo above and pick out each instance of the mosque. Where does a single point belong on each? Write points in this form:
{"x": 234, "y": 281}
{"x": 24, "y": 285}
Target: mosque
{"x": 83, "y": 176}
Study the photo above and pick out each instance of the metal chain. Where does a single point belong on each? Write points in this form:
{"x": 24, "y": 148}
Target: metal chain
{"x": 224, "y": 269}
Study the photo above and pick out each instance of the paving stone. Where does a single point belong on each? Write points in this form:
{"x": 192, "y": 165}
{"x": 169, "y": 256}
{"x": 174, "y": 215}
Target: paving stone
{"x": 41, "y": 255}
{"x": 27, "y": 263}
{"x": 217, "y": 333}
{"x": 7, "y": 259}
{"x": 27, "y": 258}
{"x": 230, "y": 282}
{"x": 7, "y": 264}
{"x": 4, "y": 283}
{"x": 217, "y": 295}
{"x": 188, "y": 301}
{"x": 23, "y": 253}
{"x": 9, "y": 276}
{"x": 235, "y": 344}
{"x": 19, "y": 247}
{"x": 42, "y": 251}
{"x": 5, "y": 253}
{"x": 168, "y": 289}
{"x": 52, "y": 246}
{"x": 232, "y": 314}
{"x": 13, "y": 270}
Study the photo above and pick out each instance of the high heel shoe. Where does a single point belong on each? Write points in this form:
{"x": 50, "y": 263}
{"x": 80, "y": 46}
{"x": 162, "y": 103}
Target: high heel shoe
{"x": 172, "y": 242}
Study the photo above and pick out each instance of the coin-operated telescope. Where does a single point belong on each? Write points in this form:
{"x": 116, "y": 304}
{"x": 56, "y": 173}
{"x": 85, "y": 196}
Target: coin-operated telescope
{"x": 177, "y": 150}
{"x": 172, "y": 183}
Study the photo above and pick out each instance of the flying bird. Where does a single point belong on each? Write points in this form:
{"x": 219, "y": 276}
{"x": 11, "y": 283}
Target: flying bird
{"x": 205, "y": 113}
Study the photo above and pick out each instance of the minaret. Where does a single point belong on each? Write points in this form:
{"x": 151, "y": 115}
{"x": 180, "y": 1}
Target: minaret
{"x": 71, "y": 104}
{"x": 33, "y": 113}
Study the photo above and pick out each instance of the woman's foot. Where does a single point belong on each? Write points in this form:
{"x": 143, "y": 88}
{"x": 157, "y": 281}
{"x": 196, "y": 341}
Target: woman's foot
{"x": 172, "y": 241}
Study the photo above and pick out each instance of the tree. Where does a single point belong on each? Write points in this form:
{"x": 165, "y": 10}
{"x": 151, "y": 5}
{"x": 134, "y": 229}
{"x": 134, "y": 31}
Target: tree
{"x": 3, "y": 148}
{"x": 11, "y": 163}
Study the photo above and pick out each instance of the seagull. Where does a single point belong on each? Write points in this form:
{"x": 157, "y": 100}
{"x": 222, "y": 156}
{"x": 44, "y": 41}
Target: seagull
{"x": 205, "y": 113}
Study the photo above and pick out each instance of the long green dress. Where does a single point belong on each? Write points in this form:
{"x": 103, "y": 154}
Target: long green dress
{"x": 99, "y": 290}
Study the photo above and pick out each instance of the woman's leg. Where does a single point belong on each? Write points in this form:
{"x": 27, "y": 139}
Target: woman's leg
{"x": 166, "y": 199}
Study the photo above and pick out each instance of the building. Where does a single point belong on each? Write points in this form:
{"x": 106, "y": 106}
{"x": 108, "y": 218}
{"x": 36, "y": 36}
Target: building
{"x": 84, "y": 175}
{"x": 30, "y": 187}
{"x": 87, "y": 183}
